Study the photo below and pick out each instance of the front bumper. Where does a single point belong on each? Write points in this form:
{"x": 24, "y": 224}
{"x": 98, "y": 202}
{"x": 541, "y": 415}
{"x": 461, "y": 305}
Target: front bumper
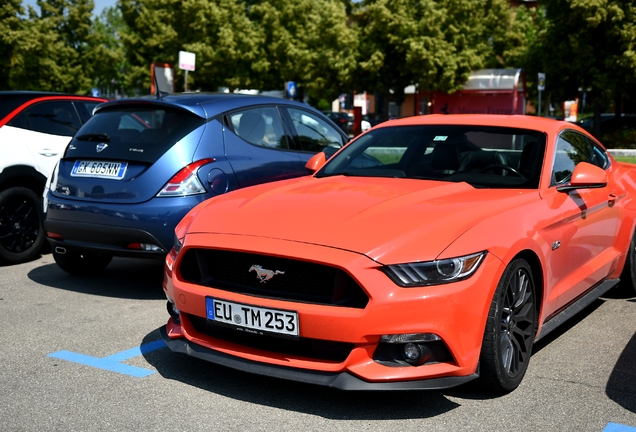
{"x": 455, "y": 312}
{"x": 337, "y": 380}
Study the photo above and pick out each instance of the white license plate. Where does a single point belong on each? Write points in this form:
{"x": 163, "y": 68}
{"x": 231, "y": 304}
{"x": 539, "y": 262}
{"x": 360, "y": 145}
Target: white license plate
{"x": 253, "y": 319}
{"x": 99, "y": 169}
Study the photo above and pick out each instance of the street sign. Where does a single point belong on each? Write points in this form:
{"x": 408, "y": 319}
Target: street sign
{"x": 541, "y": 82}
{"x": 187, "y": 60}
{"x": 291, "y": 90}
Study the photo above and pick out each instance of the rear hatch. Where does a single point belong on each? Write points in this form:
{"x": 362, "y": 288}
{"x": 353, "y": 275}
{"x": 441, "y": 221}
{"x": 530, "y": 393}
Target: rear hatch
{"x": 126, "y": 154}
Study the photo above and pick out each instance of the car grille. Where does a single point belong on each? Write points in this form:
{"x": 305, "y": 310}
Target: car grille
{"x": 303, "y": 347}
{"x": 296, "y": 280}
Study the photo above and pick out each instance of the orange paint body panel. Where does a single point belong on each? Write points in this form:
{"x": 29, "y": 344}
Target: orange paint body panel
{"x": 415, "y": 240}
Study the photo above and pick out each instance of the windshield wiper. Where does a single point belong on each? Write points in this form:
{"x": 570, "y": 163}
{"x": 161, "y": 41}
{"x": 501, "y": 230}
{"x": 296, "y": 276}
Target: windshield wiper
{"x": 101, "y": 136}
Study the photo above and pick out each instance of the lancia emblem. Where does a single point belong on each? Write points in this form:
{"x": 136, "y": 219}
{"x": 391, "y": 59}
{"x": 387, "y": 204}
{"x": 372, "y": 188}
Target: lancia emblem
{"x": 100, "y": 147}
{"x": 264, "y": 275}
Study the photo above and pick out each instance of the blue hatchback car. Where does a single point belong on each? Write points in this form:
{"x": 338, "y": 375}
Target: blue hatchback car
{"x": 139, "y": 165}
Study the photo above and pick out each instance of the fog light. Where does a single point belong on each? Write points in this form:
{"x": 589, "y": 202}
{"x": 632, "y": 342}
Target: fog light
{"x": 412, "y": 352}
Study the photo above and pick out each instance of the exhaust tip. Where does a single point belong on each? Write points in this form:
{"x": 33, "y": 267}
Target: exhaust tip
{"x": 60, "y": 250}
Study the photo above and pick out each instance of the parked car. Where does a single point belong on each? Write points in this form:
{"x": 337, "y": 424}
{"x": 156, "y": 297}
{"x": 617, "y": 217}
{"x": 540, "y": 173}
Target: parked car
{"x": 427, "y": 252}
{"x": 609, "y": 122}
{"x": 35, "y": 127}
{"x": 342, "y": 119}
{"x": 139, "y": 165}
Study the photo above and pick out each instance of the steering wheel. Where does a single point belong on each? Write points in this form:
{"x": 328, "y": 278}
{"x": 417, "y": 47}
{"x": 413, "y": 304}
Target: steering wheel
{"x": 503, "y": 167}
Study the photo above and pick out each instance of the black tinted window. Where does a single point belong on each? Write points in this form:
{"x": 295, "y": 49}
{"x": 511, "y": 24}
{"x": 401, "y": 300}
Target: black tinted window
{"x": 313, "y": 132}
{"x": 56, "y": 118}
{"x": 259, "y": 126}
{"x": 572, "y": 148}
{"x": 142, "y": 134}
{"x": 494, "y": 157}
{"x": 85, "y": 109}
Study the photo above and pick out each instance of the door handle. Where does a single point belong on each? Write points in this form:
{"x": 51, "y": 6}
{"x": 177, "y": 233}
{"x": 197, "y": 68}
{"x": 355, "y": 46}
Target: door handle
{"x": 47, "y": 152}
{"x": 611, "y": 199}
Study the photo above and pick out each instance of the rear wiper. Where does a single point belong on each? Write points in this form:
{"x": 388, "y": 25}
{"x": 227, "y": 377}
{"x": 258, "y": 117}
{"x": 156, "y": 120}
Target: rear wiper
{"x": 102, "y": 136}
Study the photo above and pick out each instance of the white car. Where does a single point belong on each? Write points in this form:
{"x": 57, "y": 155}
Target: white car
{"x": 35, "y": 128}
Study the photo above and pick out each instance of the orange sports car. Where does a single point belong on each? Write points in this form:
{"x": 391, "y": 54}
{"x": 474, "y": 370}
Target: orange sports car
{"x": 427, "y": 252}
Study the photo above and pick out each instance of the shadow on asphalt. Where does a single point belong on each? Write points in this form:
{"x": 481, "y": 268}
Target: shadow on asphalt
{"x": 130, "y": 278}
{"x": 621, "y": 386}
{"x": 293, "y": 396}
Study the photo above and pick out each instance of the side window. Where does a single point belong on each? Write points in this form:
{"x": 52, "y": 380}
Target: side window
{"x": 259, "y": 126}
{"x": 571, "y": 149}
{"x": 313, "y": 132}
{"x": 55, "y": 118}
{"x": 85, "y": 109}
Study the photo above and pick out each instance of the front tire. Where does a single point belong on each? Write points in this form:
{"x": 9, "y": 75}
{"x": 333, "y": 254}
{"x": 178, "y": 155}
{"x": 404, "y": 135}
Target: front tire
{"x": 79, "y": 263}
{"x": 21, "y": 233}
{"x": 510, "y": 330}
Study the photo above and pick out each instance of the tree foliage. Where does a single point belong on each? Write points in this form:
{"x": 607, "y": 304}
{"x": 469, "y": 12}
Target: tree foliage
{"x": 585, "y": 45}
{"x": 432, "y": 43}
{"x": 327, "y": 47}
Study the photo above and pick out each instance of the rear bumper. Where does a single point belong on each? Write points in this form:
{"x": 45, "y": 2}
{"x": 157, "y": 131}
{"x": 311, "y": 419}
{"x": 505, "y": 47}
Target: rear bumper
{"x": 109, "y": 228}
{"x": 338, "y": 380}
{"x": 101, "y": 239}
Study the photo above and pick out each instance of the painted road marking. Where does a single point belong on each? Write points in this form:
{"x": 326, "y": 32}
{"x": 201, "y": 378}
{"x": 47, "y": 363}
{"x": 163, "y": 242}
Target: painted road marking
{"x": 615, "y": 427}
{"x": 113, "y": 362}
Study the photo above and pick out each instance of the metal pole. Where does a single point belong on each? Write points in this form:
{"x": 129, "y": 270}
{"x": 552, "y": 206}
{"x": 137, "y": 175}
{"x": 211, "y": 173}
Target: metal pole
{"x": 186, "y": 84}
{"x": 539, "y": 108}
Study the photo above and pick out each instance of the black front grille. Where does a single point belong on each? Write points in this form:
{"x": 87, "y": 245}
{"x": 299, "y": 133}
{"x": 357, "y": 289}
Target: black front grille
{"x": 303, "y": 347}
{"x": 290, "y": 279}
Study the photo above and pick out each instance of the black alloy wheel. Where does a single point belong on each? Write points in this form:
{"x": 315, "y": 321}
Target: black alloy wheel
{"x": 21, "y": 234}
{"x": 510, "y": 330}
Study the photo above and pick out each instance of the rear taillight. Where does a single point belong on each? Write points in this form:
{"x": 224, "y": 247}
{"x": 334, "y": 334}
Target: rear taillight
{"x": 185, "y": 182}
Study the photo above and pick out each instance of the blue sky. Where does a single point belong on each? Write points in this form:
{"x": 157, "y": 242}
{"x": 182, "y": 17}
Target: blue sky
{"x": 99, "y": 4}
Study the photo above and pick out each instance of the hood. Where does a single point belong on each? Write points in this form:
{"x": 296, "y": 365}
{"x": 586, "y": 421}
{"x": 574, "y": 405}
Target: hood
{"x": 389, "y": 220}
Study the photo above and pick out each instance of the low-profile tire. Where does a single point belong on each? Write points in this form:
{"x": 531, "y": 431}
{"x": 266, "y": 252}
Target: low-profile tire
{"x": 627, "y": 285}
{"x": 79, "y": 263}
{"x": 510, "y": 330}
{"x": 21, "y": 233}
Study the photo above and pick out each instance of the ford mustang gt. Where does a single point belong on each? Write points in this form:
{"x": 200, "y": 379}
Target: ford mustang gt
{"x": 427, "y": 252}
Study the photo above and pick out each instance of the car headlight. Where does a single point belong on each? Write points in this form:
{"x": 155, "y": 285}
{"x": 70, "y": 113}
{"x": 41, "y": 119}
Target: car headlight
{"x": 434, "y": 272}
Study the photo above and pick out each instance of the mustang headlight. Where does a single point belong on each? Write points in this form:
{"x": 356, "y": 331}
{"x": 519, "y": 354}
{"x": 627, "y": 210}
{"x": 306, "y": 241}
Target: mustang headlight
{"x": 434, "y": 272}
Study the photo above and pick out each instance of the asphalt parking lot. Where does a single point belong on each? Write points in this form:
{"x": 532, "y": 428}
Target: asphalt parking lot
{"x": 84, "y": 353}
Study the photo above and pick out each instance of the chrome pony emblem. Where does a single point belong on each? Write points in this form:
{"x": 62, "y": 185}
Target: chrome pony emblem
{"x": 264, "y": 275}
{"x": 100, "y": 147}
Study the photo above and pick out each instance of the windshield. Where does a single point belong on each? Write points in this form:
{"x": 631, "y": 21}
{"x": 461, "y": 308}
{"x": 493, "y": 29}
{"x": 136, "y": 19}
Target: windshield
{"x": 493, "y": 157}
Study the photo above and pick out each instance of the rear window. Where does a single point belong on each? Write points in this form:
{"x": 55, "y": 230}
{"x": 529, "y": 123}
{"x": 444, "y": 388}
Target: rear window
{"x": 140, "y": 134}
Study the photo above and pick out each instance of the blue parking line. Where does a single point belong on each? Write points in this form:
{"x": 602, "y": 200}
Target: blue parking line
{"x": 113, "y": 362}
{"x": 615, "y": 427}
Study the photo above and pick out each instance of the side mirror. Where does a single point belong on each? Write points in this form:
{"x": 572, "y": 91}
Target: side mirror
{"x": 585, "y": 176}
{"x": 316, "y": 162}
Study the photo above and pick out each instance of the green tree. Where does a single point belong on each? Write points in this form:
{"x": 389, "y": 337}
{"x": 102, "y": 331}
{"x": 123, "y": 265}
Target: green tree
{"x": 588, "y": 44}
{"x": 218, "y": 32}
{"x": 107, "y": 54}
{"x": 306, "y": 41}
{"x": 10, "y": 24}
{"x": 432, "y": 43}
{"x": 49, "y": 48}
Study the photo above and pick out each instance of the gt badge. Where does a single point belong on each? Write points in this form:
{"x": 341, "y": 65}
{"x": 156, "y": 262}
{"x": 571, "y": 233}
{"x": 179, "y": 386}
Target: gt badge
{"x": 264, "y": 275}
{"x": 100, "y": 147}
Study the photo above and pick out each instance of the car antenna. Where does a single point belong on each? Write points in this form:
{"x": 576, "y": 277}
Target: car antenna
{"x": 158, "y": 92}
